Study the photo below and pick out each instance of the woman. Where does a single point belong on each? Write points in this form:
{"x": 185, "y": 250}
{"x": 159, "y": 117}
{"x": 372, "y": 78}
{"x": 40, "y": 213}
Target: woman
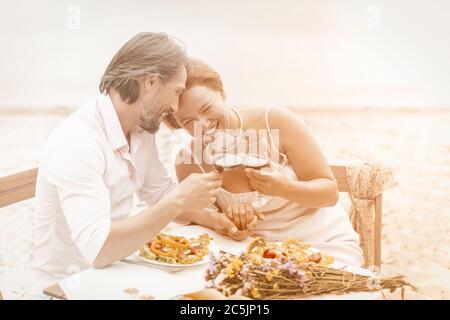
{"x": 300, "y": 196}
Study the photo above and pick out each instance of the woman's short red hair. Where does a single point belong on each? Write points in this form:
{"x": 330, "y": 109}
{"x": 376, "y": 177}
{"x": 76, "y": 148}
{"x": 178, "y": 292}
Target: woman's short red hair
{"x": 198, "y": 74}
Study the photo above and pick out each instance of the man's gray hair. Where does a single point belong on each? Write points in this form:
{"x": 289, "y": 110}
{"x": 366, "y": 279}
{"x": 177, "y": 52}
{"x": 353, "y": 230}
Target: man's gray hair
{"x": 147, "y": 53}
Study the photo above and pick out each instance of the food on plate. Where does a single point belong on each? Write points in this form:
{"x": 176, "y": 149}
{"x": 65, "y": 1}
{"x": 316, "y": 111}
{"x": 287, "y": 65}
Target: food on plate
{"x": 175, "y": 249}
{"x": 293, "y": 249}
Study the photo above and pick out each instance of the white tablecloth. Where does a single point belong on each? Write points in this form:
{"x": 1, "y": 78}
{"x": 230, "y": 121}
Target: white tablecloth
{"x": 111, "y": 282}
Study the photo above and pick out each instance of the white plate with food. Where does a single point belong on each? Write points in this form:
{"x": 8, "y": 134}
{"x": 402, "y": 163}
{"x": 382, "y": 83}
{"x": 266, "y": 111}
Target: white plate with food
{"x": 176, "y": 252}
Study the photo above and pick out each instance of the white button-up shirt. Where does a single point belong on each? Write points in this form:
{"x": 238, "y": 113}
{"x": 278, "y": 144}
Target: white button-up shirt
{"x": 87, "y": 177}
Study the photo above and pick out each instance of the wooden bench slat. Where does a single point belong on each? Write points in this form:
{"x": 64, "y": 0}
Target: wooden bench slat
{"x": 29, "y": 176}
{"x": 17, "y": 194}
{"x": 17, "y": 187}
{"x": 340, "y": 173}
{"x": 378, "y": 227}
{"x": 17, "y": 180}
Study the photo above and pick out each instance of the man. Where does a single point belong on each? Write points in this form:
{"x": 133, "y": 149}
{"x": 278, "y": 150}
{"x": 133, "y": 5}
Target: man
{"x": 97, "y": 158}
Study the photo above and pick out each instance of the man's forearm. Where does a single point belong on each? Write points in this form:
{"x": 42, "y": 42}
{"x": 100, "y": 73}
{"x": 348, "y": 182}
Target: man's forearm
{"x": 127, "y": 235}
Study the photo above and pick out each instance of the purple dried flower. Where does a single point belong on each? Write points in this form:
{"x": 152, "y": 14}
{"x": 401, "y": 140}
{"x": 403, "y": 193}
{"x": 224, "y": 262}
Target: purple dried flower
{"x": 244, "y": 272}
{"x": 301, "y": 277}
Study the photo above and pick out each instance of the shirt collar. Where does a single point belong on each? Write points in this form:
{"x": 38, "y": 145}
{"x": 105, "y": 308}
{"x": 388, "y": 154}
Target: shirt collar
{"x": 111, "y": 123}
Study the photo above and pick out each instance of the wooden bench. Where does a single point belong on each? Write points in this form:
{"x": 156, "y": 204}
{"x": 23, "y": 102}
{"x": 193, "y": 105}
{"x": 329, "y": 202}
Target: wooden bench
{"x": 17, "y": 187}
{"x": 21, "y": 186}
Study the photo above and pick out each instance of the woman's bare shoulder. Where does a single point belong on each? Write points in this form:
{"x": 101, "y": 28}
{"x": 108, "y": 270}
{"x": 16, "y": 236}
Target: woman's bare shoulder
{"x": 284, "y": 117}
{"x": 256, "y": 114}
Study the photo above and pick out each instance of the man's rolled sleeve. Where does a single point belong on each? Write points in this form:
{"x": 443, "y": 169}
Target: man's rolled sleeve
{"x": 84, "y": 198}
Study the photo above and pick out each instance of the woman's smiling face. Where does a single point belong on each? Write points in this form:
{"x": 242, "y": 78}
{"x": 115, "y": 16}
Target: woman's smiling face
{"x": 200, "y": 103}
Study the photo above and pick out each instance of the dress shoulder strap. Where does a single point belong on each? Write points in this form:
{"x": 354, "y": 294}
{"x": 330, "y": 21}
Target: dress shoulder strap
{"x": 272, "y": 144}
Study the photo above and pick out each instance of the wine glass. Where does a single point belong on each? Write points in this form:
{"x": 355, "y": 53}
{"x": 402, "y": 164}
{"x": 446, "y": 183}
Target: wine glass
{"x": 225, "y": 151}
{"x": 257, "y": 153}
{"x": 257, "y": 157}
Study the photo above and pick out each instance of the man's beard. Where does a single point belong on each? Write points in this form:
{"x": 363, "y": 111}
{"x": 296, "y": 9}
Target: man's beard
{"x": 150, "y": 125}
{"x": 150, "y": 121}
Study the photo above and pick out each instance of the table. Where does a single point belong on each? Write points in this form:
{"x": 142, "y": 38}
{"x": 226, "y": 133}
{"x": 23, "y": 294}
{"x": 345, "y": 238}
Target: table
{"x": 111, "y": 282}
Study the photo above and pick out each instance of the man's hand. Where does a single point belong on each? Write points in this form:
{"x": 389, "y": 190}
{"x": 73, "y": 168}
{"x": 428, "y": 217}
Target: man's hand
{"x": 241, "y": 234}
{"x": 197, "y": 191}
{"x": 222, "y": 224}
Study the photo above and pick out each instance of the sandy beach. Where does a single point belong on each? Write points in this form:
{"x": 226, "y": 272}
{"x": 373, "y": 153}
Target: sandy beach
{"x": 414, "y": 142}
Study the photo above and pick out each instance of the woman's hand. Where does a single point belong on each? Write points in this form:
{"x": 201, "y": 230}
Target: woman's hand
{"x": 243, "y": 215}
{"x": 226, "y": 227}
{"x": 270, "y": 181}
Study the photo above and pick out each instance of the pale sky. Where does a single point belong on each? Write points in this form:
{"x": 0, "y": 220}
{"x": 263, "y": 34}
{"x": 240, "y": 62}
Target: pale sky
{"x": 306, "y": 53}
